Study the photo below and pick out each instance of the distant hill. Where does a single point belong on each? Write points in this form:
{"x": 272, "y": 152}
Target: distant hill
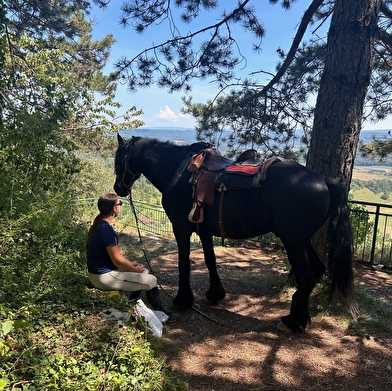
{"x": 188, "y": 135}
{"x": 174, "y": 134}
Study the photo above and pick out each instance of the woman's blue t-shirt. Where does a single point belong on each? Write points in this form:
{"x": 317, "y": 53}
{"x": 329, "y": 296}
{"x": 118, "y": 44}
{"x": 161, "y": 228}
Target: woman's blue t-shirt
{"x": 98, "y": 259}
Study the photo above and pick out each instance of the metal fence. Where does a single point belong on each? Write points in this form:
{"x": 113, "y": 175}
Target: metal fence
{"x": 372, "y": 232}
{"x": 151, "y": 218}
{"x": 371, "y": 224}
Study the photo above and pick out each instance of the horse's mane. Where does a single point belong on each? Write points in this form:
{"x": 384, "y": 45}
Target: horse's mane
{"x": 151, "y": 142}
{"x": 143, "y": 142}
{"x": 183, "y": 152}
{"x": 134, "y": 146}
{"x": 189, "y": 151}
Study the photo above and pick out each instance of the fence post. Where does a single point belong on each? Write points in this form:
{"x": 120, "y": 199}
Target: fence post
{"x": 374, "y": 234}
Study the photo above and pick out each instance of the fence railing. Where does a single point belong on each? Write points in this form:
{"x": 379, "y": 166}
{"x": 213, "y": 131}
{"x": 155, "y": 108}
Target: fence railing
{"x": 371, "y": 225}
{"x": 372, "y": 232}
{"x": 151, "y": 218}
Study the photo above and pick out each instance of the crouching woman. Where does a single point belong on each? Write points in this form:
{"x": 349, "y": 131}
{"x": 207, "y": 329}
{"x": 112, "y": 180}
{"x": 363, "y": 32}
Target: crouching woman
{"x": 108, "y": 269}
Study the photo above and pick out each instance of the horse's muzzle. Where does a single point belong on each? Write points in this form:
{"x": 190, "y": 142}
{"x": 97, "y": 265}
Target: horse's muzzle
{"x": 120, "y": 189}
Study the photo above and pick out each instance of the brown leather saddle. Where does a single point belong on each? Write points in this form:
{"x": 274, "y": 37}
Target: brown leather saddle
{"x": 213, "y": 172}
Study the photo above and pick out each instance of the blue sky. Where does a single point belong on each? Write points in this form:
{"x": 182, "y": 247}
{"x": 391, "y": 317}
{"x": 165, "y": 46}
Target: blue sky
{"x": 162, "y": 108}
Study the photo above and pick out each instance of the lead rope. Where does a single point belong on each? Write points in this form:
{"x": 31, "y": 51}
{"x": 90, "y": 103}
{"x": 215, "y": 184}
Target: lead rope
{"x": 149, "y": 264}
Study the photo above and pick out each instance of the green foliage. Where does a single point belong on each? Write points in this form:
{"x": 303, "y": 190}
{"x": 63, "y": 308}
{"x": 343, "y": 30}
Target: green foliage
{"x": 56, "y": 101}
{"x": 374, "y": 185}
{"x": 273, "y": 133}
{"x": 95, "y": 178}
{"x": 360, "y": 224}
{"x": 57, "y": 109}
{"x": 371, "y": 190}
{"x": 144, "y": 191}
{"x": 177, "y": 61}
{"x": 377, "y": 148}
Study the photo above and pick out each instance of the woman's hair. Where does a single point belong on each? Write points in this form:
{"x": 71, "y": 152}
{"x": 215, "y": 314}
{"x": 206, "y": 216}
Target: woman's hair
{"x": 105, "y": 205}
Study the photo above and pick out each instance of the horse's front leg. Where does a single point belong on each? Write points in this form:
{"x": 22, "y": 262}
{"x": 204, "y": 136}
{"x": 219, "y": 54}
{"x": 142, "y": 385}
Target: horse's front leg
{"x": 184, "y": 298}
{"x": 216, "y": 291}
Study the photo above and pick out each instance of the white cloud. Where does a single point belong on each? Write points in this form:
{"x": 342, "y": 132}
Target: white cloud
{"x": 168, "y": 114}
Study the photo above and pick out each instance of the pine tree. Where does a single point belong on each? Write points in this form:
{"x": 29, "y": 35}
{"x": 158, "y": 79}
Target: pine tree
{"x": 350, "y": 74}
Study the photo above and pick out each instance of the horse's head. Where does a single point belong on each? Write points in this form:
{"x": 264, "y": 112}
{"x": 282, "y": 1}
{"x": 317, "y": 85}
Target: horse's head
{"x": 123, "y": 165}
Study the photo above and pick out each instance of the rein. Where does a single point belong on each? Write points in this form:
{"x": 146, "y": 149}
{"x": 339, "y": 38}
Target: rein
{"x": 141, "y": 240}
{"x": 149, "y": 264}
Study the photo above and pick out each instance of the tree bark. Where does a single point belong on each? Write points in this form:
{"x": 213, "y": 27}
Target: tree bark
{"x": 343, "y": 87}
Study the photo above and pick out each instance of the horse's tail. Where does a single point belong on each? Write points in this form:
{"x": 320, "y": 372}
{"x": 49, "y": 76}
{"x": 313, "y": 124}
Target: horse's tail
{"x": 339, "y": 239}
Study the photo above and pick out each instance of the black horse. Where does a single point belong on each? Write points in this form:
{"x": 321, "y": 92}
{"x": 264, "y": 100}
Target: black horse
{"x": 293, "y": 202}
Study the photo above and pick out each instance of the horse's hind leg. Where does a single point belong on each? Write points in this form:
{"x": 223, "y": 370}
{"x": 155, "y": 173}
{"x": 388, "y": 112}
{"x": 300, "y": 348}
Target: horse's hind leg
{"x": 299, "y": 316}
{"x": 315, "y": 262}
{"x": 216, "y": 291}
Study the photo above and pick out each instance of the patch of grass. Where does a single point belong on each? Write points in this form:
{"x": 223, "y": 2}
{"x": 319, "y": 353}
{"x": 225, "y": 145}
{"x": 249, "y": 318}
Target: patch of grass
{"x": 61, "y": 342}
{"x": 366, "y": 195}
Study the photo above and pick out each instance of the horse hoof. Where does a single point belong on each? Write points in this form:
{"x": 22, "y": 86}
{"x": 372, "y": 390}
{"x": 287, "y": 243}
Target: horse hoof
{"x": 210, "y": 302}
{"x": 282, "y": 327}
{"x": 180, "y": 305}
{"x": 178, "y": 308}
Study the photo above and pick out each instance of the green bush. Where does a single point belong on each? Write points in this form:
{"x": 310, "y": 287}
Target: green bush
{"x": 360, "y": 220}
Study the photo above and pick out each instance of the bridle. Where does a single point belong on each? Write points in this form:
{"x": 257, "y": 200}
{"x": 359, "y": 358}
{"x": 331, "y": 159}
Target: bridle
{"x": 132, "y": 180}
{"x": 127, "y": 170}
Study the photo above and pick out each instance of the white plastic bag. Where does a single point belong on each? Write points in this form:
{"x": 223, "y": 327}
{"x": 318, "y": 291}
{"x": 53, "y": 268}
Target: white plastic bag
{"x": 161, "y": 316}
{"x": 152, "y": 320}
{"x": 114, "y": 314}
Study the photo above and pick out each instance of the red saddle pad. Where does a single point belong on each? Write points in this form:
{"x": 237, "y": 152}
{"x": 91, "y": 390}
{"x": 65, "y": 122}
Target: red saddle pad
{"x": 242, "y": 169}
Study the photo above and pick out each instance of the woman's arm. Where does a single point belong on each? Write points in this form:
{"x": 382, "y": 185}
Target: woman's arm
{"x": 121, "y": 262}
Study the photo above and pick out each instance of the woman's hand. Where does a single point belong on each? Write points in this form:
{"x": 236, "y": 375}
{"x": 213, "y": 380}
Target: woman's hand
{"x": 121, "y": 262}
{"x": 139, "y": 268}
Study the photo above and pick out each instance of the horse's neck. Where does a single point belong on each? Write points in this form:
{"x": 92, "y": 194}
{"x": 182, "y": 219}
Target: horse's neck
{"x": 160, "y": 168}
{"x": 159, "y": 183}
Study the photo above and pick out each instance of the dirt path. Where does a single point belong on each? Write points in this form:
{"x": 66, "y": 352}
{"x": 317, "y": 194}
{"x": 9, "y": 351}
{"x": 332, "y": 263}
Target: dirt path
{"x": 241, "y": 349}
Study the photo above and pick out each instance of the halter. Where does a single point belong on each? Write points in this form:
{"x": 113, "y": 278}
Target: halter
{"x": 127, "y": 170}
{"x": 133, "y": 178}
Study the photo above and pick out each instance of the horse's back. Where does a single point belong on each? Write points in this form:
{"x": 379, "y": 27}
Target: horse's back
{"x": 296, "y": 196}
{"x": 296, "y": 179}
{"x": 292, "y": 202}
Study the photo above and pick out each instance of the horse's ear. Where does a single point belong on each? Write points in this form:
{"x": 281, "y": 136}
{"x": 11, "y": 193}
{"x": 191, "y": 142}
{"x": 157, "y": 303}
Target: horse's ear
{"x": 120, "y": 140}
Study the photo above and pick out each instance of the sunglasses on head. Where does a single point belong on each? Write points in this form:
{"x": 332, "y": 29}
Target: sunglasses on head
{"x": 119, "y": 203}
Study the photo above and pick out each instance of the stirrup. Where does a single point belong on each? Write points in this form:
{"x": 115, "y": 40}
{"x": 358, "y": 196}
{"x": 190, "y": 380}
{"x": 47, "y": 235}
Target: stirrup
{"x": 196, "y": 215}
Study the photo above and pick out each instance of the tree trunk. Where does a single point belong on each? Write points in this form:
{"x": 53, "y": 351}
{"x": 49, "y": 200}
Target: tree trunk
{"x": 343, "y": 87}
{"x": 341, "y": 97}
